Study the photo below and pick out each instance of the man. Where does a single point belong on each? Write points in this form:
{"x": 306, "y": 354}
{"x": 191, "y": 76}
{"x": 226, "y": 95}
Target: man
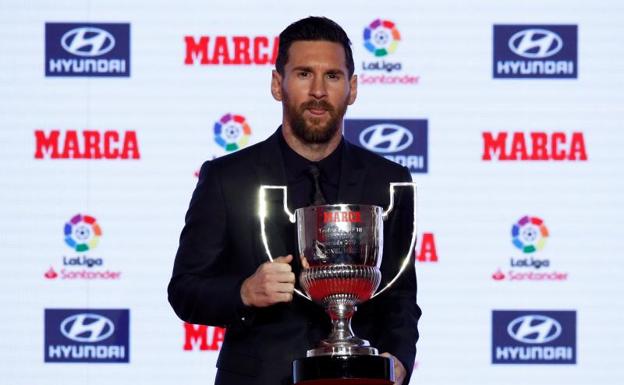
{"x": 221, "y": 274}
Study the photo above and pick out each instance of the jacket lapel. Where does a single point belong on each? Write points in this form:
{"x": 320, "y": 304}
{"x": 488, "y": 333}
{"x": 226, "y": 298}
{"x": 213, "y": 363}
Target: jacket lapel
{"x": 352, "y": 177}
{"x": 269, "y": 168}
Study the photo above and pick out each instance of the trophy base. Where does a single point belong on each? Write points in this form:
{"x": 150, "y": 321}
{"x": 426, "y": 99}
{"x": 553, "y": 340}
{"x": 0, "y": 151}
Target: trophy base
{"x": 343, "y": 370}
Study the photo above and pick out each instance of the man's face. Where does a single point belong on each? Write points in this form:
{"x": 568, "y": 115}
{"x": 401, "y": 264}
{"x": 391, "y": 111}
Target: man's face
{"x": 315, "y": 90}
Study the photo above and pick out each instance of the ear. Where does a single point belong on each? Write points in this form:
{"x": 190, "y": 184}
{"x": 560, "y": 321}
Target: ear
{"x": 353, "y": 92}
{"x": 276, "y": 85}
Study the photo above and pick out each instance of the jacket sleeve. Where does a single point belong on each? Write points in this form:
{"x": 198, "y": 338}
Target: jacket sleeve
{"x": 398, "y": 310}
{"x": 203, "y": 289}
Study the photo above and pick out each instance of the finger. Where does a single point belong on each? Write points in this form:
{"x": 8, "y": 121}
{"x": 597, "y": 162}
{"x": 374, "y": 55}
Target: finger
{"x": 399, "y": 370}
{"x": 284, "y": 288}
{"x": 283, "y": 277}
{"x": 284, "y": 259}
{"x": 278, "y": 287}
{"x": 388, "y": 355}
{"x": 394, "y": 361}
{"x": 277, "y": 268}
{"x": 282, "y": 297}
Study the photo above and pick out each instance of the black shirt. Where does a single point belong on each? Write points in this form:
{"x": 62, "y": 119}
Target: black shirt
{"x": 300, "y": 181}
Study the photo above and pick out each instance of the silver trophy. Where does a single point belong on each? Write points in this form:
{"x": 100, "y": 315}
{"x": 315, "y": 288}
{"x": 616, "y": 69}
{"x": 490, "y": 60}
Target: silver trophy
{"x": 340, "y": 247}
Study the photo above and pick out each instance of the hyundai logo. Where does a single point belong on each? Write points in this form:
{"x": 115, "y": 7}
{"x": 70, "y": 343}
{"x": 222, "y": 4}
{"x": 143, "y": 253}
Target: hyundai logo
{"x": 88, "y": 41}
{"x": 87, "y": 327}
{"x": 534, "y": 329}
{"x": 386, "y": 138}
{"x": 535, "y": 43}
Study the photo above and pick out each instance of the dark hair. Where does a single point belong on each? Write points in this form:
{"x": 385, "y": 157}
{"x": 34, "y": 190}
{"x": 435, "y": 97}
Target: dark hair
{"x": 313, "y": 28}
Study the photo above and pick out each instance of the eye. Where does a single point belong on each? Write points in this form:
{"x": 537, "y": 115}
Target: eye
{"x": 333, "y": 76}
{"x": 303, "y": 74}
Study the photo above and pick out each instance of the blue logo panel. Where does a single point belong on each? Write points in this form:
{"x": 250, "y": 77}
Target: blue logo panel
{"x": 87, "y": 49}
{"x": 87, "y": 335}
{"x": 404, "y": 141}
{"x": 535, "y": 51}
{"x": 533, "y": 337}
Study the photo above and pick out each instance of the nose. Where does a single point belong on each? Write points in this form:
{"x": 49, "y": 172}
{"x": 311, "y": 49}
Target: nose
{"x": 317, "y": 88}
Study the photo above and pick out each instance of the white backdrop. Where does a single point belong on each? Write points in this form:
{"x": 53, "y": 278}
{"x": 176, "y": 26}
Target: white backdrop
{"x": 467, "y": 204}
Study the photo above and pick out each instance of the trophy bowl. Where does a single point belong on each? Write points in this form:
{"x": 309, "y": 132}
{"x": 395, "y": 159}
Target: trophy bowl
{"x": 340, "y": 247}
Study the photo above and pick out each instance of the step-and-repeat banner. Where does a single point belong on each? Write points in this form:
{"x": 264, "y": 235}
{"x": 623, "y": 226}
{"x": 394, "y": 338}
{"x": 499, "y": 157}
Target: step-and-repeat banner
{"x": 509, "y": 115}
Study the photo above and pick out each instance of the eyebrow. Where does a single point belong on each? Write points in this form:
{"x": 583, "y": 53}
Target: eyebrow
{"x": 310, "y": 69}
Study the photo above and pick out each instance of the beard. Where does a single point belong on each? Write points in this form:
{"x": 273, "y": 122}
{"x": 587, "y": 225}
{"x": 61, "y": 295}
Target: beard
{"x": 312, "y": 130}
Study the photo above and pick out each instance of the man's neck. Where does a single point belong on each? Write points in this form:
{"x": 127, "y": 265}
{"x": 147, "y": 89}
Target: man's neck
{"x": 311, "y": 151}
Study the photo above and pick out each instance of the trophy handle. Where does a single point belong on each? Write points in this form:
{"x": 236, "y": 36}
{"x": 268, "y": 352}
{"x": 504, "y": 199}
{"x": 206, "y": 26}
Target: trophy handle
{"x": 262, "y": 213}
{"x": 385, "y": 216}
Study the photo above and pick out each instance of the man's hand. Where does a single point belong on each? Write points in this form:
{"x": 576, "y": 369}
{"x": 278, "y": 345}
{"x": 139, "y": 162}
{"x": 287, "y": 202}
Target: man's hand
{"x": 272, "y": 282}
{"x": 399, "y": 369}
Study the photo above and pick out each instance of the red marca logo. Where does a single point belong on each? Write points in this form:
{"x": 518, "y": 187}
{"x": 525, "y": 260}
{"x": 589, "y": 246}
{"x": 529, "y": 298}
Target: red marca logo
{"x": 428, "y": 251}
{"x": 244, "y": 50}
{"x": 88, "y": 144}
{"x": 202, "y": 337}
{"x": 342, "y": 216}
{"x": 557, "y": 146}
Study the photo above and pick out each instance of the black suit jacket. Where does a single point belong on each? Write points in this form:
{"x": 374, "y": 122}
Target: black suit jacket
{"x": 220, "y": 246}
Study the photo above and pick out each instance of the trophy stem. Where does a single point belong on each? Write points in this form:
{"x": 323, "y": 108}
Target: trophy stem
{"x": 341, "y": 340}
{"x": 340, "y": 314}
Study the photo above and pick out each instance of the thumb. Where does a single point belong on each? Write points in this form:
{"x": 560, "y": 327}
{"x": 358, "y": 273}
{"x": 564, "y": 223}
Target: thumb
{"x": 286, "y": 259}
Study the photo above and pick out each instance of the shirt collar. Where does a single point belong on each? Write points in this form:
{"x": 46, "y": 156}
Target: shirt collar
{"x": 296, "y": 166}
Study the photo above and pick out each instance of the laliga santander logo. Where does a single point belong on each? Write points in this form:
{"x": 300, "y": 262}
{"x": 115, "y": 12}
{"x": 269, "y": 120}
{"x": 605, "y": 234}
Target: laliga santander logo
{"x": 82, "y": 233}
{"x": 381, "y": 37}
{"x": 529, "y": 234}
{"x": 232, "y": 132}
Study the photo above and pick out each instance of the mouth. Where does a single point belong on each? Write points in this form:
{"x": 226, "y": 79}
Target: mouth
{"x": 317, "y": 111}
{"x": 317, "y": 108}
